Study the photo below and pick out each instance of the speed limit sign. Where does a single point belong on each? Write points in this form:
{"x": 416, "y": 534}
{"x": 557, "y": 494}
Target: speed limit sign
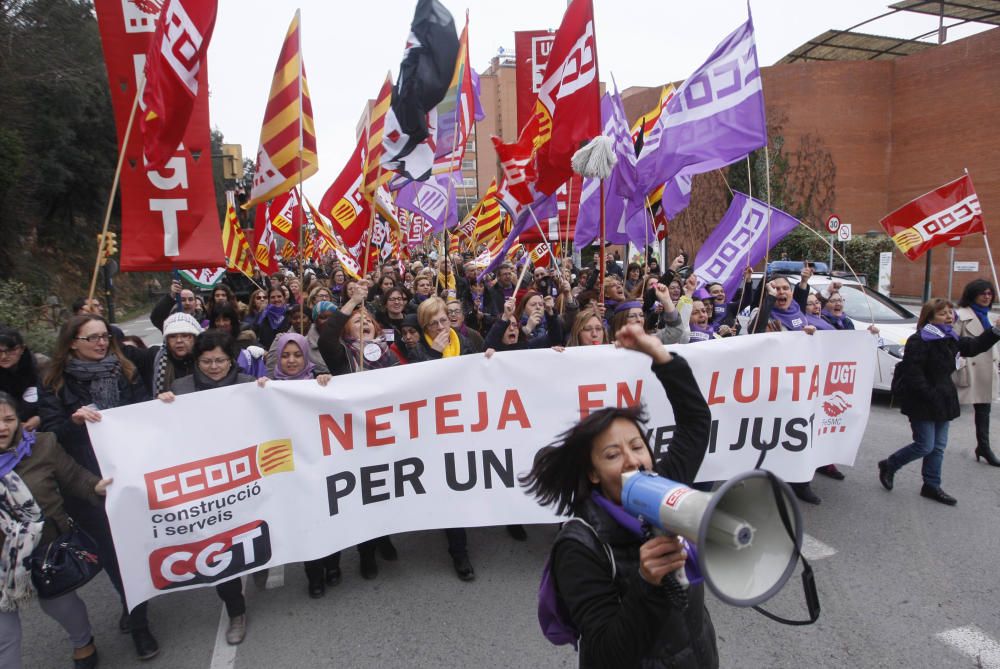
{"x": 833, "y": 223}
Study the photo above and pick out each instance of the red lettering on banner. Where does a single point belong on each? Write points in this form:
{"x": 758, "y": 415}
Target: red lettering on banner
{"x": 484, "y": 414}
{"x": 796, "y": 371}
{"x": 626, "y": 397}
{"x": 372, "y": 428}
{"x": 814, "y": 383}
{"x": 411, "y": 408}
{"x": 840, "y": 378}
{"x": 738, "y": 393}
{"x": 773, "y": 395}
{"x": 345, "y": 435}
{"x": 513, "y": 410}
{"x": 441, "y": 413}
{"x": 713, "y": 388}
{"x": 586, "y": 404}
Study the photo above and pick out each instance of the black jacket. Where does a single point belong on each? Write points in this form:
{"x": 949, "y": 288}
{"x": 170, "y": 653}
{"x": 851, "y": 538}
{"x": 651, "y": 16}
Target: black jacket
{"x": 928, "y": 392}
{"x": 424, "y": 352}
{"x": 625, "y": 621}
{"x": 56, "y": 408}
{"x": 22, "y": 382}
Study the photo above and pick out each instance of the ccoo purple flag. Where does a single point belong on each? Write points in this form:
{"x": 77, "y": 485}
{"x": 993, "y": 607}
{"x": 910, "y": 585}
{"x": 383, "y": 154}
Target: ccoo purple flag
{"x": 740, "y": 240}
{"x": 430, "y": 199}
{"x": 715, "y": 118}
{"x": 621, "y": 223}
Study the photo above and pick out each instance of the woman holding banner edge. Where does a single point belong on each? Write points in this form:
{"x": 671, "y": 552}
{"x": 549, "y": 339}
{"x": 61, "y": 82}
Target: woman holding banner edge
{"x": 626, "y": 615}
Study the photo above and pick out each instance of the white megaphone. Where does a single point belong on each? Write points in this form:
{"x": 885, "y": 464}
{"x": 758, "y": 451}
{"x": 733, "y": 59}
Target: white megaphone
{"x": 745, "y": 554}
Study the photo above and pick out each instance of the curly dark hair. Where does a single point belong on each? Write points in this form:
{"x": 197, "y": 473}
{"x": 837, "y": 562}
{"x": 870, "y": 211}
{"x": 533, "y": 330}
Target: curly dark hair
{"x": 560, "y": 474}
{"x": 974, "y": 289}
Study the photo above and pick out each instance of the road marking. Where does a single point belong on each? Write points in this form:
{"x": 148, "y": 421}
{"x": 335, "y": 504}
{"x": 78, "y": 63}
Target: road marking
{"x": 813, "y": 549}
{"x": 224, "y": 655}
{"x": 974, "y": 643}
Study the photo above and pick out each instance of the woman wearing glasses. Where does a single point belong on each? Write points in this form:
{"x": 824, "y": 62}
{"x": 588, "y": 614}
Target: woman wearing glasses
{"x": 215, "y": 367}
{"x": 510, "y": 333}
{"x": 89, "y": 374}
{"x": 833, "y": 313}
{"x": 392, "y": 311}
{"x": 588, "y": 329}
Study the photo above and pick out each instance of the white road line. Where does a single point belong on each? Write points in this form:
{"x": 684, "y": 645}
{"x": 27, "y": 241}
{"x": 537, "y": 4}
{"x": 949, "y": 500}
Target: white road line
{"x": 224, "y": 655}
{"x": 813, "y": 549}
{"x": 975, "y": 644}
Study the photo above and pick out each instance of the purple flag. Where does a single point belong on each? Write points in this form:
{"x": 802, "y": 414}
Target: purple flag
{"x": 676, "y": 195}
{"x": 430, "y": 199}
{"x": 716, "y": 118}
{"x": 621, "y": 223}
{"x": 740, "y": 240}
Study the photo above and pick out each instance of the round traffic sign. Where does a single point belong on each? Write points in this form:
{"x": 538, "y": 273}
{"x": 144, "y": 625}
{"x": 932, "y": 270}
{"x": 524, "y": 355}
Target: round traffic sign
{"x": 833, "y": 223}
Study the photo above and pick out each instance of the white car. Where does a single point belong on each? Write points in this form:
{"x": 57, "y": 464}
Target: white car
{"x": 864, "y": 306}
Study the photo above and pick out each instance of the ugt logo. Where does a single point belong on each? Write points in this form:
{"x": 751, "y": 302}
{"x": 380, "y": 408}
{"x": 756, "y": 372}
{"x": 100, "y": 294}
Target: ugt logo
{"x": 214, "y": 559}
{"x": 838, "y": 387}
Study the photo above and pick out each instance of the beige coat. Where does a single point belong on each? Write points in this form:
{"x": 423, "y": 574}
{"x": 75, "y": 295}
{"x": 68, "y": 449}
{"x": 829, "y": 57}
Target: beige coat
{"x": 975, "y": 378}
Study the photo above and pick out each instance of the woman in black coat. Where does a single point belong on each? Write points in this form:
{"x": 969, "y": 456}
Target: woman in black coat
{"x": 19, "y": 376}
{"x": 88, "y": 374}
{"x": 928, "y": 394}
{"x": 627, "y": 617}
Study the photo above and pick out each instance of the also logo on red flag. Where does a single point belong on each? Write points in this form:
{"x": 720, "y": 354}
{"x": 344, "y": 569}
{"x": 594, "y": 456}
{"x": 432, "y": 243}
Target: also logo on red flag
{"x": 934, "y": 218}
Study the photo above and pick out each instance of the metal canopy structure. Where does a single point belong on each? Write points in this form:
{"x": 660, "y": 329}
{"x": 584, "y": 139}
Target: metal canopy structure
{"x": 847, "y": 45}
{"x": 850, "y": 45}
{"x": 966, "y": 11}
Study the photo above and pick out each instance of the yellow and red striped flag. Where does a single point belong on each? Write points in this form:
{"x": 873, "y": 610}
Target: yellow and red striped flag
{"x": 374, "y": 175}
{"x": 234, "y": 242}
{"x": 287, "y": 152}
{"x": 330, "y": 242}
{"x": 488, "y": 215}
{"x": 288, "y": 251}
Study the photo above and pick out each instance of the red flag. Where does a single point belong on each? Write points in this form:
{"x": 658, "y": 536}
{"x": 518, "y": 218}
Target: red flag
{"x": 951, "y": 211}
{"x": 263, "y": 241}
{"x": 567, "y": 110}
{"x": 173, "y": 61}
{"x": 287, "y": 215}
{"x": 515, "y": 161}
{"x": 344, "y": 202}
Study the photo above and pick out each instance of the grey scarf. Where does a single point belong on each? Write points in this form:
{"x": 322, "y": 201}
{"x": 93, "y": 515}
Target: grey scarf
{"x": 101, "y": 378}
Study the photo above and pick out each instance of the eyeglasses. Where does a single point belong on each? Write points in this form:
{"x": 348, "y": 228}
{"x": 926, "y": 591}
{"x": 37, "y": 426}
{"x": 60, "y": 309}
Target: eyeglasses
{"x": 214, "y": 362}
{"x": 94, "y": 338}
{"x": 396, "y": 298}
{"x": 4, "y": 352}
{"x": 260, "y": 297}
{"x": 454, "y": 312}
{"x": 440, "y": 322}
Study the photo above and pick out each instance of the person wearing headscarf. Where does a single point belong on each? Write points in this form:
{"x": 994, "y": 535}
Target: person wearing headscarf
{"x": 35, "y": 473}
{"x": 215, "y": 356}
{"x": 87, "y": 375}
{"x": 976, "y": 377}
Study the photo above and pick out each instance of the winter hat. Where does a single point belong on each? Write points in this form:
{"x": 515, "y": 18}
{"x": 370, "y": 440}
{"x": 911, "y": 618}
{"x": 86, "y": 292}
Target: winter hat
{"x": 181, "y": 323}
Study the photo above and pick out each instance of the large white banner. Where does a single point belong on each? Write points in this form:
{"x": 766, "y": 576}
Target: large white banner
{"x": 234, "y": 480}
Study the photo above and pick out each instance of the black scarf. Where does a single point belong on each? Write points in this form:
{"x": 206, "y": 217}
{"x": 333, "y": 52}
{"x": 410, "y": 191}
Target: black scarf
{"x": 202, "y": 382}
{"x": 100, "y": 377}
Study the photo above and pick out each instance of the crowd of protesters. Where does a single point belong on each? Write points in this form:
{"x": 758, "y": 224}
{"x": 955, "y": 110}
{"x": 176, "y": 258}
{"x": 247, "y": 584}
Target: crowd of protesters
{"x": 322, "y": 323}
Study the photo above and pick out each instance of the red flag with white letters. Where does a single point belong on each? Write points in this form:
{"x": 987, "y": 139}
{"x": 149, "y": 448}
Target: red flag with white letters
{"x": 937, "y": 217}
{"x": 173, "y": 61}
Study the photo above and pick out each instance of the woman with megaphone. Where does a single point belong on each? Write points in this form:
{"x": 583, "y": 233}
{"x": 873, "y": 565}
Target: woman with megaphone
{"x": 629, "y": 610}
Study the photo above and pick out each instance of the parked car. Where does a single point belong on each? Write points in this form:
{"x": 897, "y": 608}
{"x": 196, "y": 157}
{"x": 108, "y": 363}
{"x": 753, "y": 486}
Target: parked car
{"x": 865, "y": 305}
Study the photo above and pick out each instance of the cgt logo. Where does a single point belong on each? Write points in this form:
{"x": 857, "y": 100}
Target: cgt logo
{"x": 214, "y": 559}
{"x": 202, "y": 478}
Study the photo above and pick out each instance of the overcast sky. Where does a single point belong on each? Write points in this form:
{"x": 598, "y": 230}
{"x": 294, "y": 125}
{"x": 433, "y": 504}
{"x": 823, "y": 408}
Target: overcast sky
{"x": 349, "y": 46}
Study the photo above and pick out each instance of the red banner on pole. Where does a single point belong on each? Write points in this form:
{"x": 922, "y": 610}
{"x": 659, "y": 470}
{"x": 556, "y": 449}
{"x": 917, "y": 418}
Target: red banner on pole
{"x": 942, "y": 215}
{"x": 531, "y": 55}
{"x": 169, "y": 216}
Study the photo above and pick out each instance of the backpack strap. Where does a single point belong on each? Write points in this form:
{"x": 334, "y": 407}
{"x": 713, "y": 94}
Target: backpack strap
{"x": 572, "y": 530}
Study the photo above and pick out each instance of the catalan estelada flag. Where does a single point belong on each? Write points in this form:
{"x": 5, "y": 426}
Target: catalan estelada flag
{"x": 239, "y": 257}
{"x": 288, "y": 134}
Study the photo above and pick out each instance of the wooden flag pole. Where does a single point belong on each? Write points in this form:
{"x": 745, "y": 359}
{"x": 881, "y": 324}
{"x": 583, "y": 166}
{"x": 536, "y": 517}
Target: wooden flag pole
{"x": 114, "y": 187}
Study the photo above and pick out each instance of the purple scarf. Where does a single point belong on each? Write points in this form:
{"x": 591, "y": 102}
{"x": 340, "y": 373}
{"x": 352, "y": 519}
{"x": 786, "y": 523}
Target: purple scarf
{"x": 932, "y": 332}
{"x": 274, "y": 315}
{"x": 303, "y": 344}
{"x": 632, "y": 524}
{"x": 701, "y": 333}
{"x": 11, "y": 457}
{"x": 838, "y": 322}
{"x": 818, "y": 322}
{"x": 791, "y": 318}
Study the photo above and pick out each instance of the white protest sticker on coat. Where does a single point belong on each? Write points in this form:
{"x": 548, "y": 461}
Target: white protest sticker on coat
{"x": 246, "y": 478}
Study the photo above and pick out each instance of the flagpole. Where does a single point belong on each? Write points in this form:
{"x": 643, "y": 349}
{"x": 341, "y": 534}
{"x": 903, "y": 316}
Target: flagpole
{"x": 986, "y": 243}
{"x": 545, "y": 240}
{"x": 114, "y": 186}
{"x": 602, "y": 259}
{"x": 301, "y": 195}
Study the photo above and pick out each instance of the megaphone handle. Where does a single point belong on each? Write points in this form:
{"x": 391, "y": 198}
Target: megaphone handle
{"x": 680, "y": 575}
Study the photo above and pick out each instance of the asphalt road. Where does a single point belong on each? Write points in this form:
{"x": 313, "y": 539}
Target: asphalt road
{"x": 903, "y": 581}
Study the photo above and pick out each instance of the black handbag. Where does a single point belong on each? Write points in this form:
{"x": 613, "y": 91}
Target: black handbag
{"x": 64, "y": 565}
